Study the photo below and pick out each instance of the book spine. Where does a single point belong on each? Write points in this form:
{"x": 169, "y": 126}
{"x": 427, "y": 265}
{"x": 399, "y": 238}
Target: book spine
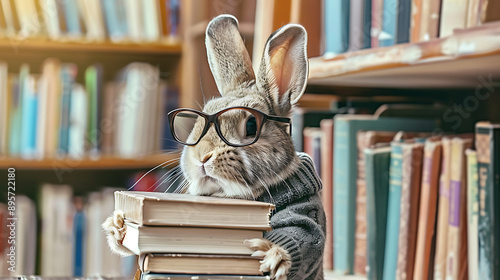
{"x": 327, "y": 192}
{"x": 424, "y": 259}
{"x": 495, "y": 198}
{"x": 443, "y": 212}
{"x": 65, "y": 111}
{"x": 15, "y": 120}
{"x": 472, "y": 214}
{"x": 403, "y": 22}
{"x": 336, "y": 26}
{"x": 72, "y": 18}
{"x": 389, "y": 22}
{"x": 485, "y": 232}
{"x": 457, "y": 228}
{"x": 28, "y": 119}
{"x": 343, "y": 199}
{"x": 416, "y": 17}
{"x": 377, "y": 189}
{"x": 376, "y": 26}
{"x": 393, "y": 210}
{"x": 410, "y": 193}
{"x": 92, "y": 85}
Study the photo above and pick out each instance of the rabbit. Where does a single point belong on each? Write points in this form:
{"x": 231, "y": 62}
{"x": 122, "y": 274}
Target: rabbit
{"x": 268, "y": 170}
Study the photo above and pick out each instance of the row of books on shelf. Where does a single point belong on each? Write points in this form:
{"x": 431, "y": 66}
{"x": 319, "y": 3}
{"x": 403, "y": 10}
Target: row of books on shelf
{"x": 50, "y": 114}
{"x": 59, "y": 234}
{"x": 361, "y": 24}
{"x": 405, "y": 200}
{"x": 179, "y": 235}
{"x": 57, "y": 229}
{"x": 92, "y": 20}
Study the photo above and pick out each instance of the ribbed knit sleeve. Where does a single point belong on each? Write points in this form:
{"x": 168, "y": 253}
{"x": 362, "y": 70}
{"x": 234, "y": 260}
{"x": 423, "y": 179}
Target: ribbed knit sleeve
{"x": 298, "y": 229}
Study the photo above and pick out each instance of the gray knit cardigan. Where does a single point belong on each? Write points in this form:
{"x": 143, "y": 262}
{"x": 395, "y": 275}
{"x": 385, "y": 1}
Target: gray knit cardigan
{"x": 299, "y": 220}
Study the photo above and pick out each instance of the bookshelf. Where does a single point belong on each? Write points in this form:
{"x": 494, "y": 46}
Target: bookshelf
{"x": 89, "y": 164}
{"x": 452, "y": 62}
{"x": 32, "y": 44}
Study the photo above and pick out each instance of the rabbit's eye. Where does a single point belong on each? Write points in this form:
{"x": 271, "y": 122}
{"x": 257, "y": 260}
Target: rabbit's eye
{"x": 251, "y": 126}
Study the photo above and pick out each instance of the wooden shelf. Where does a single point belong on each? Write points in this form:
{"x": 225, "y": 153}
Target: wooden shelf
{"x": 15, "y": 45}
{"x": 89, "y": 164}
{"x": 457, "y": 61}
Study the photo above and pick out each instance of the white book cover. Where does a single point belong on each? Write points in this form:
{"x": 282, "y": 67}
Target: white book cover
{"x": 136, "y": 106}
{"x": 4, "y": 117}
{"x": 133, "y": 10}
{"x": 453, "y": 16}
{"x": 27, "y": 15}
{"x": 93, "y": 19}
{"x": 78, "y": 122}
{"x": 95, "y": 237}
{"x": 26, "y": 235}
{"x": 111, "y": 262}
{"x": 9, "y": 18}
{"x": 150, "y": 15}
{"x": 57, "y": 230}
{"x": 51, "y": 18}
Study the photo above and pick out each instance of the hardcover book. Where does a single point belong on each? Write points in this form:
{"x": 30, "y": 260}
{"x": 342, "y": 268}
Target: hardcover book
{"x": 426, "y": 233}
{"x": 472, "y": 214}
{"x": 200, "y": 264}
{"x": 189, "y": 240}
{"x": 345, "y": 176}
{"x": 365, "y": 139}
{"x": 443, "y": 211}
{"x": 488, "y": 158}
{"x": 410, "y": 198}
{"x": 456, "y": 260}
{"x": 168, "y": 209}
{"x": 327, "y": 192}
{"x": 377, "y": 162}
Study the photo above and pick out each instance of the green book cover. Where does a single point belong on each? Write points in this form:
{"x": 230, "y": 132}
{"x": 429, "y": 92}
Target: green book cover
{"x": 93, "y": 76}
{"x": 377, "y": 162}
{"x": 393, "y": 211}
{"x": 345, "y": 174}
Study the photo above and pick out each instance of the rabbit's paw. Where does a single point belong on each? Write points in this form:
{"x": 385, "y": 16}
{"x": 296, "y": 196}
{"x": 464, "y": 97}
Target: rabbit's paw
{"x": 116, "y": 229}
{"x": 276, "y": 260}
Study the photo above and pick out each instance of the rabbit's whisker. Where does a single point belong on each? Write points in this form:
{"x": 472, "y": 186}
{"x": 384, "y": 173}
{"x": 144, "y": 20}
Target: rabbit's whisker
{"x": 151, "y": 170}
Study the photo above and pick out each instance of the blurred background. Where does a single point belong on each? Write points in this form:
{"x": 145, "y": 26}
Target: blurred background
{"x": 86, "y": 85}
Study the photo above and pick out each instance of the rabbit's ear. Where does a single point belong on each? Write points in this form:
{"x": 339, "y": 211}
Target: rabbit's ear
{"x": 227, "y": 55}
{"x": 284, "y": 67}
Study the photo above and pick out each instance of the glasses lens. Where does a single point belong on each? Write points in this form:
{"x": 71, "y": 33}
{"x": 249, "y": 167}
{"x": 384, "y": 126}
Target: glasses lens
{"x": 183, "y": 124}
{"x": 238, "y": 126}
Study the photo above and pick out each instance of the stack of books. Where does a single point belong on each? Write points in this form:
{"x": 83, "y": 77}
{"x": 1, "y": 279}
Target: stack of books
{"x": 177, "y": 235}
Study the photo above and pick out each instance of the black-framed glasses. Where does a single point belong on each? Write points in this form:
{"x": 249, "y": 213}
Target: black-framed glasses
{"x": 242, "y": 127}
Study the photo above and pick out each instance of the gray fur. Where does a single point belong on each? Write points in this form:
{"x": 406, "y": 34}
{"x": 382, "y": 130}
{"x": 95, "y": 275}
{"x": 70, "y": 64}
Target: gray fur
{"x": 246, "y": 172}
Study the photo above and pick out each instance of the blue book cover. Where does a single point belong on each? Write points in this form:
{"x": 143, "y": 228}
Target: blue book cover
{"x": 387, "y": 36}
{"x": 345, "y": 176}
{"x": 29, "y": 117}
{"x": 336, "y": 23}
{"x": 72, "y": 17}
{"x": 114, "y": 14}
{"x": 393, "y": 211}
{"x": 15, "y": 120}
{"x": 79, "y": 228}
{"x": 68, "y": 73}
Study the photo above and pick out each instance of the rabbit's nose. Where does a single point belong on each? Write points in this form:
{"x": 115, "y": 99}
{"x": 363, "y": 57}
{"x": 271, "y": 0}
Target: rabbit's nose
{"x": 207, "y": 157}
